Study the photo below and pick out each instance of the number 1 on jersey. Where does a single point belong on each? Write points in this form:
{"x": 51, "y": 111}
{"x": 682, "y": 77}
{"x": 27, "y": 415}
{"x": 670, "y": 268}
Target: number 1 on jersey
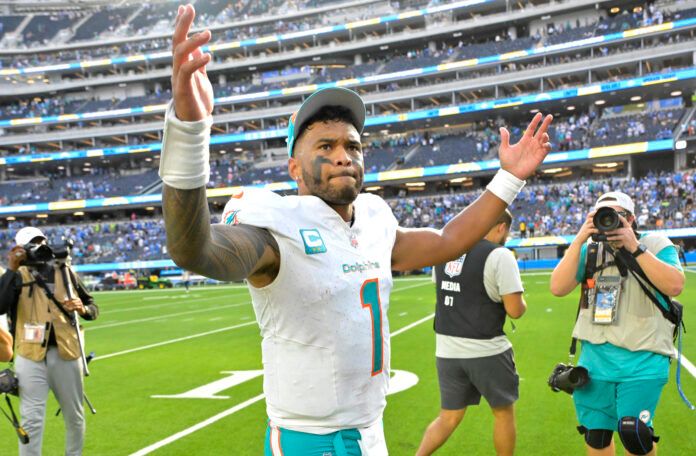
{"x": 369, "y": 297}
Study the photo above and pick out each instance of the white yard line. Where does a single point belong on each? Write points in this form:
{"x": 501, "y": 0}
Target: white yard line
{"x": 160, "y": 317}
{"x": 396, "y": 290}
{"x": 687, "y": 365}
{"x": 412, "y": 325}
{"x": 171, "y": 290}
{"x": 197, "y": 427}
{"x": 413, "y": 279}
{"x": 172, "y": 341}
{"x": 157, "y": 306}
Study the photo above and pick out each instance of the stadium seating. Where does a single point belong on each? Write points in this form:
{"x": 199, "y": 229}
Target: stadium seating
{"x": 42, "y": 28}
{"x": 662, "y": 200}
{"x": 103, "y": 183}
{"x": 9, "y": 24}
{"x": 108, "y": 19}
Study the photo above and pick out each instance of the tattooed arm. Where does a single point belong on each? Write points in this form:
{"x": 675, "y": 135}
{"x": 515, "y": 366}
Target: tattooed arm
{"x": 222, "y": 252}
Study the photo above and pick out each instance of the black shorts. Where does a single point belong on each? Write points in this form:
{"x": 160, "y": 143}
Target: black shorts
{"x": 464, "y": 380}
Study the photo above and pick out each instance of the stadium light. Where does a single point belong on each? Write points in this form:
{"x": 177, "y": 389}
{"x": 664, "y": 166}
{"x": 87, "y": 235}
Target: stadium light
{"x": 570, "y": 108}
{"x": 11, "y": 218}
{"x": 636, "y": 98}
{"x": 459, "y": 180}
{"x": 552, "y": 170}
{"x": 607, "y": 165}
{"x": 599, "y": 102}
{"x": 150, "y": 208}
{"x": 41, "y": 215}
{"x": 373, "y": 189}
{"x": 78, "y": 213}
{"x": 415, "y": 184}
{"x": 676, "y": 93}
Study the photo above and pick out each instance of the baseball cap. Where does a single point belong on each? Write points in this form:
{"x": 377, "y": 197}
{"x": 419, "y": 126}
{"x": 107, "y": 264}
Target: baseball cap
{"x": 332, "y": 96}
{"x": 616, "y": 199}
{"x": 26, "y": 234}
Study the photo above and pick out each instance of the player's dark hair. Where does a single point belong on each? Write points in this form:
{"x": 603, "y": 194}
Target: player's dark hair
{"x": 332, "y": 113}
{"x": 506, "y": 218}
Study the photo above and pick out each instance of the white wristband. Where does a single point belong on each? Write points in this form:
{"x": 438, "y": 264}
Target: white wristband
{"x": 505, "y": 186}
{"x": 184, "y": 162}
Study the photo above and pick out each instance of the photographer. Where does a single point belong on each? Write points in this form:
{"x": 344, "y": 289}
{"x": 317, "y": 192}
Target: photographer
{"x": 626, "y": 340}
{"x": 47, "y": 349}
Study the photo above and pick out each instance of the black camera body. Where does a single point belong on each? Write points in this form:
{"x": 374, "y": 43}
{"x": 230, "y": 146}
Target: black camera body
{"x": 605, "y": 219}
{"x": 9, "y": 383}
{"x": 40, "y": 254}
{"x": 568, "y": 378}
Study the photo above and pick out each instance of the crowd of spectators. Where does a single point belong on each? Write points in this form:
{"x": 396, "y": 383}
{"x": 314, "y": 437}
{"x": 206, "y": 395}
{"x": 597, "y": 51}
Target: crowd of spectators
{"x": 648, "y": 125}
{"x": 663, "y": 200}
{"x": 97, "y": 183}
{"x": 422, "y": 148}
{"x": 391, "y": 62}
{"x": 142, "y": 18}
{"x": 443, "y": 52}
{"x": 105, "y": 241}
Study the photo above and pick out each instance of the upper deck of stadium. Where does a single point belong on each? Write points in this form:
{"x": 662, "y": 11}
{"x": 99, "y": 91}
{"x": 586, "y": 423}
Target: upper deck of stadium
{"x": 435, "y": 91}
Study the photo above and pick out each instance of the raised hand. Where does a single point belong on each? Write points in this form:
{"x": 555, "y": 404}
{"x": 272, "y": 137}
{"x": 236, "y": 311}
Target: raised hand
{"x": 191, "y": 88}
{"x": 523, "y": 158}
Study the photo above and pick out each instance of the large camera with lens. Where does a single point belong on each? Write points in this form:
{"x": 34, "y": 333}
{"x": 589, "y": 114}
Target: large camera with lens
{"x": 605, "y": 219}
{"x": 8, "y": 382}
{"x": 568, "y": 378}
{"x": 39, "y": 254}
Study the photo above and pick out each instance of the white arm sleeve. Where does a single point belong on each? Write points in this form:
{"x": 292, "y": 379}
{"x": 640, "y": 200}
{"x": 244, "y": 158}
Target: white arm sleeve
{"x": 184, "y": 163}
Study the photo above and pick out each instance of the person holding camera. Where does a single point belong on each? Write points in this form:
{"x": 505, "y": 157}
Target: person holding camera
{"x": 474, "y": 357}
{"x": 34, "y": 292}
{"x": 626, "y": 339}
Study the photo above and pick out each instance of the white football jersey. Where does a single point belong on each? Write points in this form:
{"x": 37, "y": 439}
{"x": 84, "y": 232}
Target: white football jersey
{"x": 324, "y": 318}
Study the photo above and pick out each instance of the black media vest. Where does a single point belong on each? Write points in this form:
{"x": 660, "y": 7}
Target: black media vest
{"x": 463, "y": 307}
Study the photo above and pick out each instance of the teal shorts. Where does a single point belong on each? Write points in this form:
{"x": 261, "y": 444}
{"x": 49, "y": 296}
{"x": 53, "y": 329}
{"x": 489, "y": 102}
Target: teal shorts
{"x": 600, "y": 404}
{"x": 285, "y": 442}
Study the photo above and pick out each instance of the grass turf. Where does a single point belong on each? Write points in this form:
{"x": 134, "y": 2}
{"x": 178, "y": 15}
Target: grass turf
{"x": 167, "y": 342}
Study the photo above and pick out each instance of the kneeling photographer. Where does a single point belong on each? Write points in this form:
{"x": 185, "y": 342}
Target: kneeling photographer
{"x": 42, "y": 297}
{"x": 627, "y": 341}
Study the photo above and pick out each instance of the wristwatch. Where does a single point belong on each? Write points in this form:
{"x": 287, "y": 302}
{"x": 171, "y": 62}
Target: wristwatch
{"x": 640, "y": 250}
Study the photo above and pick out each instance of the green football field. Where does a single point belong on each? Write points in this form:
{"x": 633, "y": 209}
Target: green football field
{"x": 204, "y": 348}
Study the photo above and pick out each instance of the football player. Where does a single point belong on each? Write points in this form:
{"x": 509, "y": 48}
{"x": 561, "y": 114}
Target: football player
{"x": 318, "y": 264}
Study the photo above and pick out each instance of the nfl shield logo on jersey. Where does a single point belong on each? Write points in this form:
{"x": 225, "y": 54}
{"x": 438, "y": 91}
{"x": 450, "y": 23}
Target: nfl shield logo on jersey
{"x": 454, "y": 268}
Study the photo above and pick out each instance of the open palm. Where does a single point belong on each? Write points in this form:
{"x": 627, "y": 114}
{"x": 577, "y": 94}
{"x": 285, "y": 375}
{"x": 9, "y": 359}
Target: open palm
{"x": 191, "y": 88}
{"x": 524, "y": 157}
